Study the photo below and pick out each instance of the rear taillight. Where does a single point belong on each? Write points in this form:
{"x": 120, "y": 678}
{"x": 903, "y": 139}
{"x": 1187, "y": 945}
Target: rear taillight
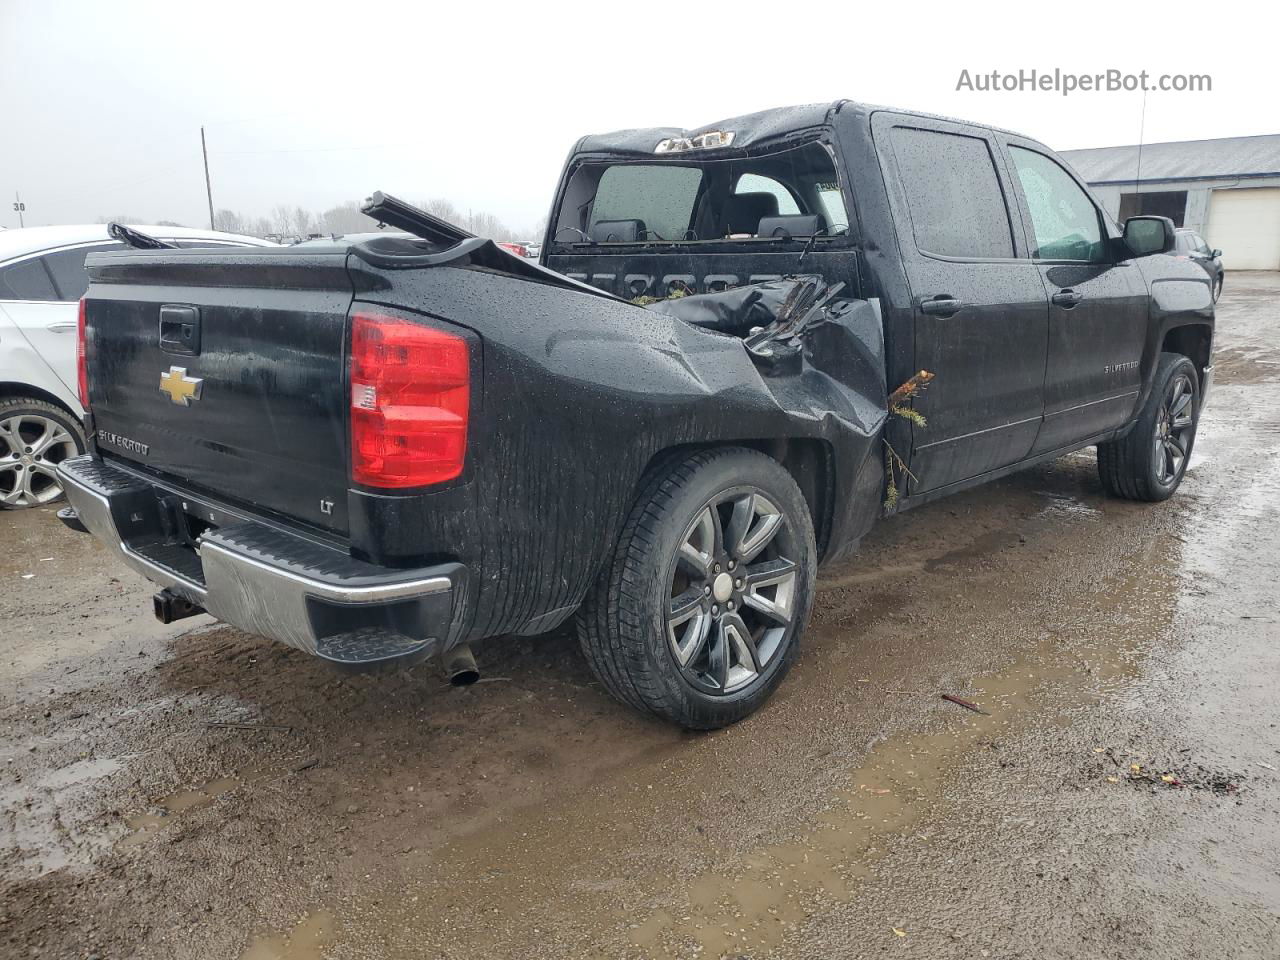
{"x": 410, "y": 402}
{"x": 82, "y": 365}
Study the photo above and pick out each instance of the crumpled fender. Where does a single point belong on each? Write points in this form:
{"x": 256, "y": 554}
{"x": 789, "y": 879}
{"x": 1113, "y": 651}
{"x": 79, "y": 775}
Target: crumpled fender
{"x": 578, "y": 395}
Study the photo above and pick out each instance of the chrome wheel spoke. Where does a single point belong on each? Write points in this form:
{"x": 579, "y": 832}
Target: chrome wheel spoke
{"x": 754, "y": 524}
{"x": 744, "y": 660}
{"x": 54, "y": 436}
{"x": 685, "y": 606}
{"x": 718, "y": 658}
{"x": 703, "y": 543}
{"x": 687, "y": 625}
{"x": 46, "y": 470}
{"x": 770, "y": 588}
{"x": 12, "y": 484}
{"x": 10, "y": 439}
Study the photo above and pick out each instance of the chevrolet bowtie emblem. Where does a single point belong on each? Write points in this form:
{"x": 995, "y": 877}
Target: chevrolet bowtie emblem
{"x": 180, "y": 388}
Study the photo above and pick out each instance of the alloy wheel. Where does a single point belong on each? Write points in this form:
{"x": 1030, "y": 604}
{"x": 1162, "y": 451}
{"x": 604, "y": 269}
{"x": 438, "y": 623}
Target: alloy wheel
{"x": 732, "y": 596}
{"x": 1175, "y": 428}
{"x": 31, "y": 447}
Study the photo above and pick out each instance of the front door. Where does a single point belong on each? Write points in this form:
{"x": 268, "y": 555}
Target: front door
{"x": 981, "y": 318}
{"x": 1097, "y": 304}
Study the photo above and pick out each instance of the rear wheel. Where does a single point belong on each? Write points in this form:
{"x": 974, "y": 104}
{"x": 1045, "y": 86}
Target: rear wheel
{"x": 1149, "y": 462}
{"x": 35, "y": 437}
{"x": 697, "y": 617}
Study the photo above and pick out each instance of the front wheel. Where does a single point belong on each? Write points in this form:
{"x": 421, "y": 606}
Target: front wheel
{"x": 698, "y": 614}
{"x": 1150, "y": 460}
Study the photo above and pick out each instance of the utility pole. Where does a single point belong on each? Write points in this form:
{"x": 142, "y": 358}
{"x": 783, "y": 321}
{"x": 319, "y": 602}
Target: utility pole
{"x": 18, "y": 207}
{"x": 207, "y": 189}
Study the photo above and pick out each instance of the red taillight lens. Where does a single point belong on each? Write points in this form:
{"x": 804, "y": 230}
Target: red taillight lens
{"x": 410, "y": 402}
{"x": 82, "y": 365}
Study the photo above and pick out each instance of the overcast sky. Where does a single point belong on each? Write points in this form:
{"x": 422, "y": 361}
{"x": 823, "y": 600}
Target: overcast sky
{"x": 314, "y": 103}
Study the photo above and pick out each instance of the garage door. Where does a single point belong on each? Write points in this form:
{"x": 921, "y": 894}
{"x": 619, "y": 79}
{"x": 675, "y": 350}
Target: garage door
{"x": 1245, "y": 225}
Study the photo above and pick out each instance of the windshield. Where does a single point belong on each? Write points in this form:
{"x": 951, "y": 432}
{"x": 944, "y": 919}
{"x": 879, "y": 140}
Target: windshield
{"x": 792, "y": 193}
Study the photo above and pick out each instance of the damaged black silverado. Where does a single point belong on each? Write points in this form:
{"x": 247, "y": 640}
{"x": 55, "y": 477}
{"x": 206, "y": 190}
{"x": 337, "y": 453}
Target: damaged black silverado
{"x": 386, "y": 450}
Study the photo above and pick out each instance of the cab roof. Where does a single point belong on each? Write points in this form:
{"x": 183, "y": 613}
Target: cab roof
{"x": 749, "y": 130}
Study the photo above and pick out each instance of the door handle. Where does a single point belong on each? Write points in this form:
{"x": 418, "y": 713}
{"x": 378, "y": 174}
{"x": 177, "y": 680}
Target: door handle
{"x": 180, "y": 329}
{"x": 62, "y": 326}
{"x": 1067, "y": 298}
{"x": 941, "y": 306}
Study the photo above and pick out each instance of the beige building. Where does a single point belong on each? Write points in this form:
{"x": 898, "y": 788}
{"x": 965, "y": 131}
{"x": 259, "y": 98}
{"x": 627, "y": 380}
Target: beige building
{"x": 1226, "y": 190}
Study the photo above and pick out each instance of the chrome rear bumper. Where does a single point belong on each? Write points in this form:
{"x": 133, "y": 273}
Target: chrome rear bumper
{"x": 264, "y": 579}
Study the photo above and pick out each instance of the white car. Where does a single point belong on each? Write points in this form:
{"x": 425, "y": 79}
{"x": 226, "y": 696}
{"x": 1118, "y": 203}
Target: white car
{"x": 42, "y": 279}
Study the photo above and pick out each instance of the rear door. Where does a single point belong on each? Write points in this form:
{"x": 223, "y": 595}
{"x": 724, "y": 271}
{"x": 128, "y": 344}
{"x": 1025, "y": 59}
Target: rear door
{"x": 40, "y": 295}
{"x": 981, "y": 319}
{"x": 1098, "y": 305}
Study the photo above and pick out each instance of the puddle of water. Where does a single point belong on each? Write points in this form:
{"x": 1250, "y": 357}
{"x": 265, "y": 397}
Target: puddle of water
{"x": 82, "y": 771}
{"x": 145, "y": 825}
{"x": 36, "y": 831}
{"x": 303, "y": 942}
{"x": 1061, "y": 506}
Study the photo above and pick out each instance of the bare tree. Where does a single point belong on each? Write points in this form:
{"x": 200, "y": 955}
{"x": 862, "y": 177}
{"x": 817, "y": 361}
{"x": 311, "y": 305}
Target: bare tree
{"x": 229, "y": 221}
{"x": 345, "y": 218}
{"x": 304, "y": 222}
{"x": 487, "y": 225}
{"x": 282, "y": 220}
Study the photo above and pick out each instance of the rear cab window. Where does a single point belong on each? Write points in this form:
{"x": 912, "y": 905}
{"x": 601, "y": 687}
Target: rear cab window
{"x": 660, "y": 197}
{"x": 686, "y": 199}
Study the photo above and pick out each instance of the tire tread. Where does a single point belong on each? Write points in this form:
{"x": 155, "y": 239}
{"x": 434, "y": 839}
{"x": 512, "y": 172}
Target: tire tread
{"x": 612, "y": 624}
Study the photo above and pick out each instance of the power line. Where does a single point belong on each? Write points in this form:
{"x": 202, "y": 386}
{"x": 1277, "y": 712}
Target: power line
{"x": 368, "y": 146}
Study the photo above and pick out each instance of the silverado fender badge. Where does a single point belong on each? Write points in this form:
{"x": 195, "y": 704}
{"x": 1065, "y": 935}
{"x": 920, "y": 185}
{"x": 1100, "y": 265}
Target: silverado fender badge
{"x": 180, "y": 388}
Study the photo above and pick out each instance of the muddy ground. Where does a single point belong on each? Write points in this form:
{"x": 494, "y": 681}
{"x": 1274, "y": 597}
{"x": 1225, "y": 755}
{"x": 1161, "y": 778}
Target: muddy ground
{"x": 191, "y": 791}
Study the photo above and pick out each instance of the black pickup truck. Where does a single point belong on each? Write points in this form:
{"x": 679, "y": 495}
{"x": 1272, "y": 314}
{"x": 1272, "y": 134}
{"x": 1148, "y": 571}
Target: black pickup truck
{"x": 387, "y": 450}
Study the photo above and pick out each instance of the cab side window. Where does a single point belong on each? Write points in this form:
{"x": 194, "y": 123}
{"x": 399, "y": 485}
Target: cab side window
{"x": 953, "y": 194}
{"x": 1064, "y": 219}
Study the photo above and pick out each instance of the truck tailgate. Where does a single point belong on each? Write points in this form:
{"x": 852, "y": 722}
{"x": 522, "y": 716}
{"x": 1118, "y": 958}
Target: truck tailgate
{"x": 226, "y": 371}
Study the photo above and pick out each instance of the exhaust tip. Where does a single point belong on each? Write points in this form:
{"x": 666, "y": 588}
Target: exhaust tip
{"x": 460, "y": 666}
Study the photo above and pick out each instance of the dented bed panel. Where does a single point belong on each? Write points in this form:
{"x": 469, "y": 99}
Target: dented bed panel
{"x": 580, "y": 394}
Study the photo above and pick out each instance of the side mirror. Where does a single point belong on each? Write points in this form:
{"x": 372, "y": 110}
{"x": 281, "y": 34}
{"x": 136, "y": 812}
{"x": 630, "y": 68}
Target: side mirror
{"x": 1216, "y": 253}
{"x": 1148, "y": 235}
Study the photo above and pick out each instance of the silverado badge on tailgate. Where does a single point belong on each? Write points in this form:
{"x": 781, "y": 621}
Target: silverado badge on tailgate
{"x": 180, "y": 388}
